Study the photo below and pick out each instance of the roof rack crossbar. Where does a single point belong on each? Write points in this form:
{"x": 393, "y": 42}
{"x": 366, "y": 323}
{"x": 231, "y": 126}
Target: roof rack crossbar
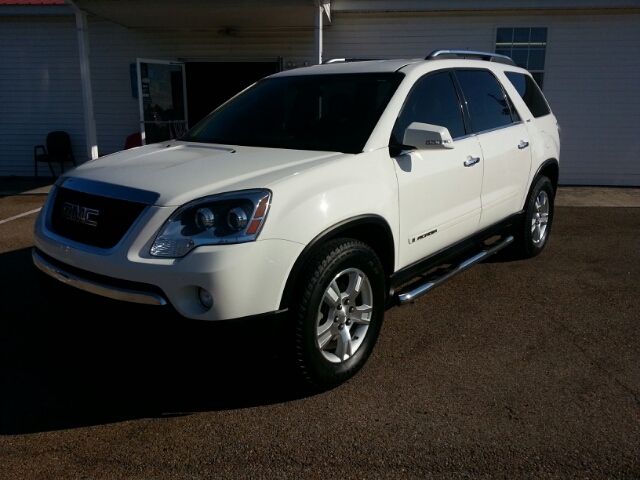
{"x": 490, "y": 57}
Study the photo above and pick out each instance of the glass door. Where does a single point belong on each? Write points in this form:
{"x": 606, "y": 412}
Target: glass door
{"x": 162, "y": 100}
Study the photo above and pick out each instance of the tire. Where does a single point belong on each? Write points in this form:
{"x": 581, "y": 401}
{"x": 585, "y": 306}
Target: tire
{"x": 536, "y": 228}
{"x": 338, "y": 316}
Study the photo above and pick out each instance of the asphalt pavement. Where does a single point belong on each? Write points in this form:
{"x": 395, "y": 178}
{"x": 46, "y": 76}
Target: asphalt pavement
{"x": 514, "y": 369}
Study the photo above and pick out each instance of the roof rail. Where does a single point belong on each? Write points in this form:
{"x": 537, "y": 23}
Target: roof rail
{"x": 347, "y": 60}
{"x": 490, "y": 57}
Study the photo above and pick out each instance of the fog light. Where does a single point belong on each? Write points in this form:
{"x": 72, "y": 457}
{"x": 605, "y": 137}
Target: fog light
{"x": 205, "y": 298}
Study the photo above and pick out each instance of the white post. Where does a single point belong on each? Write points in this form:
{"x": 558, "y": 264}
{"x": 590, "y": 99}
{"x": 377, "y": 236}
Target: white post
{"x": 318, "y": 32}
{"x": 85, "y": 75}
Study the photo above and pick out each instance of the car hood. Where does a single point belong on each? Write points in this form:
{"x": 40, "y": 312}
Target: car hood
{"x": 180, "y": 171}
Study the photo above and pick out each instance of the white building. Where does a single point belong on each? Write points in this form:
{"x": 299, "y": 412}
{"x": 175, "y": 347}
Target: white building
{"x": 72, "y": 66}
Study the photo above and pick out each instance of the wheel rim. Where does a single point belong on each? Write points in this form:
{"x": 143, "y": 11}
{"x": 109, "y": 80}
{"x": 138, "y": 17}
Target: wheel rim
{"x": 540, "y": 219}
{"x": 344, "y": 315}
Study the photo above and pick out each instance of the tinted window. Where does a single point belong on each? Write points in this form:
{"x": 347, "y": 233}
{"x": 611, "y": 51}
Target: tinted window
{"x": 316, "y": 112}
{"x": 487, "y": 104}
{"x": 433, "y": 100}
{"x": 530, "y": 93}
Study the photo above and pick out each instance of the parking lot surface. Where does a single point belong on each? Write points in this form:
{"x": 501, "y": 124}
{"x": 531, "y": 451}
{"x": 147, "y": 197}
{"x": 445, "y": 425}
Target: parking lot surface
{"x": 514, "y": 369}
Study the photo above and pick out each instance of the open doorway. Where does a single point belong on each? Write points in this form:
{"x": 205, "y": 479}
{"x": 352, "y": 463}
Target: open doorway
{"x": 210, "y": 84}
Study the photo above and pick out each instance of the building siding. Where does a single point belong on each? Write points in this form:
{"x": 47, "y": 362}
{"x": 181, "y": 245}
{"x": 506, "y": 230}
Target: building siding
{"x": 40, "y": 89}
{"x": 591, "y": 72}
{"x": 594, "y": 66}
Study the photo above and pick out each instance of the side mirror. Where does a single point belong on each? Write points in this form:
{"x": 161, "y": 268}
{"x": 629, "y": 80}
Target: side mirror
{"x": 422, "y": 136}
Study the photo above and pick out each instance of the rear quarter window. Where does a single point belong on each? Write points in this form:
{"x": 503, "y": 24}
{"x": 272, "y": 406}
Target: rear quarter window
{"x": 530, "y": 93}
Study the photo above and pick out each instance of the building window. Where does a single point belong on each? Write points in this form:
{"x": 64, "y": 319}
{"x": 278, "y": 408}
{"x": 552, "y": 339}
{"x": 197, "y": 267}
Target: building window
{"x": 526, "y": 46}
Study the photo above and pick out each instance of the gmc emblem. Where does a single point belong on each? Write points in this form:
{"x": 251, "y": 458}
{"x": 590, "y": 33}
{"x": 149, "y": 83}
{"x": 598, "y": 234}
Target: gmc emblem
{"x": 76, "y": 213}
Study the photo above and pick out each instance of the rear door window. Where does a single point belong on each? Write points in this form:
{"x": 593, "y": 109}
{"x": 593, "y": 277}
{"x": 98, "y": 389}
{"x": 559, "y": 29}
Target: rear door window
{"x": 489, "y": 108}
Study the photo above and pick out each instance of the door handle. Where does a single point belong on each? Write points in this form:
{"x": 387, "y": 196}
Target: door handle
{"x": 523, "y": 144}
{"x": 471, "y": 162}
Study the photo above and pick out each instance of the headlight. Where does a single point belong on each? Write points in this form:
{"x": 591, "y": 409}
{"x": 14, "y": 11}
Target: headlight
{"x": 227, "y": 218}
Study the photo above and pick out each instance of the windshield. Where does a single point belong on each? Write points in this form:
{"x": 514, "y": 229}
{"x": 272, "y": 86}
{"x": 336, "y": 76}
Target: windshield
{"x": 316, "y": 112}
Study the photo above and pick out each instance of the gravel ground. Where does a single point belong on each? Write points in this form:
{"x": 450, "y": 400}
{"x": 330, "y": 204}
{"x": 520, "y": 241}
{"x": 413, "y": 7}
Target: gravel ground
{"x": 514, "y": 369}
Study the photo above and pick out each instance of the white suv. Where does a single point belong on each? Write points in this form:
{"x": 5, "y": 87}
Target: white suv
{"x": 314, "y": 198}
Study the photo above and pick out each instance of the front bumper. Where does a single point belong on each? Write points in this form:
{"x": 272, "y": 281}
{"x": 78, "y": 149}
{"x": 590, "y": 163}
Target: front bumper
{"x": 96, "y": 283}
{"x": 267, "y": 328}
{"x": 245, "y": 280}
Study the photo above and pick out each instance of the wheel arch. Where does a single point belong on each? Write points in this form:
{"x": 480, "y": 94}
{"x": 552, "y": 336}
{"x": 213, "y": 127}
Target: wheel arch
{"x": 370, "y": 229}
{"x": 550, "y": 168}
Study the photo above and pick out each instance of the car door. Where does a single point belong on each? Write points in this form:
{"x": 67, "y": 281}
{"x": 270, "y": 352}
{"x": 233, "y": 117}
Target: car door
{"x": 439, "y": 188}
{"x": 504, "y": 140}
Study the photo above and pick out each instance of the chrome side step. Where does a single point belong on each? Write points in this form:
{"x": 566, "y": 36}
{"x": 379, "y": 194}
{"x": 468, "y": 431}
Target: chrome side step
{"x": 422, "y": 288}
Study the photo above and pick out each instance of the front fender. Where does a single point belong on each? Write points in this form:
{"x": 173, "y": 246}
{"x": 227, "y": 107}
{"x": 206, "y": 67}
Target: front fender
{"x": 354, "y": 196}
{"x": 312, "y": 201}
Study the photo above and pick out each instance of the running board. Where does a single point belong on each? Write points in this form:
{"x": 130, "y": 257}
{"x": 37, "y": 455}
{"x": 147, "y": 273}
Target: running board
{"x": 418, "y": 291}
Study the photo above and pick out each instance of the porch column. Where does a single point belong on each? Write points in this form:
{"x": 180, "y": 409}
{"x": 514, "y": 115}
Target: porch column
{"x": 322, "y": 6}
{"x": 85, "y": 76}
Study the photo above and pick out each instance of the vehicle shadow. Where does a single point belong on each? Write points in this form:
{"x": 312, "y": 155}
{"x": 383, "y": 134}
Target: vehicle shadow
{"x": 72, "y": 359}
{"x": 18, "y": 186}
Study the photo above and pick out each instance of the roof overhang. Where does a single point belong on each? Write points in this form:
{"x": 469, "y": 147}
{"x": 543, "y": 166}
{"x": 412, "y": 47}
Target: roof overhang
{"x": 352, "y": 6}
{"x": 204, "y": 13}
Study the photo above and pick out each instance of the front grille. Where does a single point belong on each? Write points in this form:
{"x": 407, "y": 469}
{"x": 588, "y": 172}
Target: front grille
{"x": 92, "y": 219}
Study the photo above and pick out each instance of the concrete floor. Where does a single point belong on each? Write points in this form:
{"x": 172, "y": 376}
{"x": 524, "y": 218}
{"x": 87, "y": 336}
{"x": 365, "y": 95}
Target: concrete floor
{"x": 598, "y": 197}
